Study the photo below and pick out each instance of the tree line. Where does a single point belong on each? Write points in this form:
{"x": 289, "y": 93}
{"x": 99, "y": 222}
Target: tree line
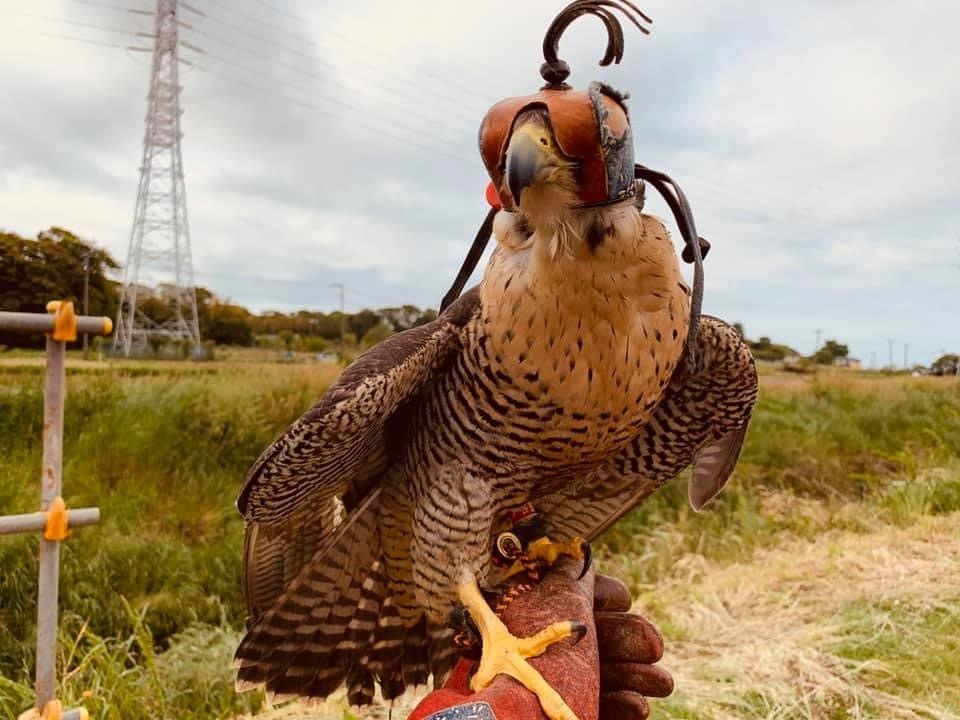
{"x": 53, "y": 265}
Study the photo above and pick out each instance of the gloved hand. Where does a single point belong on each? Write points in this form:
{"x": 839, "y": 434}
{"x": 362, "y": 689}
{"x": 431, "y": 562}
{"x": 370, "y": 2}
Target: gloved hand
{"x": 607, "y": 676}
{"x": 628, "y": 647}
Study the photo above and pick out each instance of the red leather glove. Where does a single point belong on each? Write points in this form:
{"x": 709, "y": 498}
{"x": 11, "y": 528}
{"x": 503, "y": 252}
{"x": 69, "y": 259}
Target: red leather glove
{"x": 629, "y": 647}
{"x": 606, "y": 676}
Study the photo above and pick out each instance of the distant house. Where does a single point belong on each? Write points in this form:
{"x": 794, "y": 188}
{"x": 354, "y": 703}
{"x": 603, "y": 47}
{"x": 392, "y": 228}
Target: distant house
{"x": 848, "y": 362}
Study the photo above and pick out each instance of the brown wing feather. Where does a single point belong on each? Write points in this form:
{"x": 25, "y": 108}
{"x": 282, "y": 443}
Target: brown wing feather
{"x": 312, "y": 557}
{"x": 311, "y": 478}
{"x": 702, "y": 419}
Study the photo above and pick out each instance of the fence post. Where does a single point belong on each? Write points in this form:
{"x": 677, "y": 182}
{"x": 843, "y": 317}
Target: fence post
{"x": 61, "y": 326}
{"x": 50, "y": 489}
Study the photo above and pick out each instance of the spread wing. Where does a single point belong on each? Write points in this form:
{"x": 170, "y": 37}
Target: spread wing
{"x": 310, "y": 480}
{"x": 701, "y": 421}
{"x": 313, "y": 575}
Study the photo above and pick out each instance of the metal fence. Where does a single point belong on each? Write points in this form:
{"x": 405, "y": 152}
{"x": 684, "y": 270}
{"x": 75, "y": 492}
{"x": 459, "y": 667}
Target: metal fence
{"x": 54, "y": 520}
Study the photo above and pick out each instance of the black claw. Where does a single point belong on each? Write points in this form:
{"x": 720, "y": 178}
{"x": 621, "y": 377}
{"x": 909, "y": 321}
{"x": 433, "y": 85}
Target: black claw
{"x": 587, "y": 558}
{"x": 459, "y": 619}
{"x": 579, "y": 630}
{"x": 467, "y": 636}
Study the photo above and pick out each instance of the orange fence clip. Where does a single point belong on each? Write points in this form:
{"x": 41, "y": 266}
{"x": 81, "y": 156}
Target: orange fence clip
{"x": 57, "y": 520}
{"x": 64, "y": 320}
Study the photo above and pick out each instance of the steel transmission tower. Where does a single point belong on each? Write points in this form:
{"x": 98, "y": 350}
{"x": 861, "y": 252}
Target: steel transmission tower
{"x": 159, "y": 250}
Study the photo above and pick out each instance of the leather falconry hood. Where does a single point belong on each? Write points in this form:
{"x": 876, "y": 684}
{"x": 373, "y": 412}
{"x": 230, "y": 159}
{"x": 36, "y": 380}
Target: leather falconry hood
{"x": 592, "y": 128}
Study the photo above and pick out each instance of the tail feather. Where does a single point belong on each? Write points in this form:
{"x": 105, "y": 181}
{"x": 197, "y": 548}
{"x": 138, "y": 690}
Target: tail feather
{"x": 416, "y": 655}
{"x": 360, "y": 686}
{"x": 294, "y": 647}
{"x": 336, "y": 623}
{"x": 443, "y": 653}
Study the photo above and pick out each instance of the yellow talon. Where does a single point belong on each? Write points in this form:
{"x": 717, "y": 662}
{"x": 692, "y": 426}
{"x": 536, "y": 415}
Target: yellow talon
{"x": 548, "y": 550}
{"x": 503, "y": 653}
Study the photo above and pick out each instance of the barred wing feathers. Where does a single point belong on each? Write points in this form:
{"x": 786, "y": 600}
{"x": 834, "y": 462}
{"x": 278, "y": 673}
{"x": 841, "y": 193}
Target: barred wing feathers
{"x": 701, "y": 421}
{"x": 313, "y": 574}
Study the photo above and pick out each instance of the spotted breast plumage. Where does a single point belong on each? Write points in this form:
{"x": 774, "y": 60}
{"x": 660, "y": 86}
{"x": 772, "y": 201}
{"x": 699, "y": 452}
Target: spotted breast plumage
{"x": 564, "y": 380}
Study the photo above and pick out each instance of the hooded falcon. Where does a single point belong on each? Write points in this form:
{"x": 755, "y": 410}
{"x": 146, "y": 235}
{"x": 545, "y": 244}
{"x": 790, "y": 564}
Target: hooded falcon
{"x": 570, "y": 380}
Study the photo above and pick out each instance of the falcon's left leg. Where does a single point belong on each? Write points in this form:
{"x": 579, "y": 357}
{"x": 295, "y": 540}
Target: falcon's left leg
{"x": 527, "y": 546}
{"x": 452, "y": 523}
{"x": 504, "y": 653}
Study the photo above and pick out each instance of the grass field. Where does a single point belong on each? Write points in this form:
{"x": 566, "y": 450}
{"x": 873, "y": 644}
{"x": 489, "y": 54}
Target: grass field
{"x": 823, "y": 584}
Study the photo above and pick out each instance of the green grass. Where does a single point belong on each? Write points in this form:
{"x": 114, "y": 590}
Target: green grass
{"x": 163, "y": 455}
{"x": 151, "y": 608}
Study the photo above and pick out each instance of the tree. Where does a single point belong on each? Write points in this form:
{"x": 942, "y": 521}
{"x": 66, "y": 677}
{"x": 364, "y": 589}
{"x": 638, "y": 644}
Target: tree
{"x": 403, "y": 318}
{"x": 360, "y": 322}
{"x": 766, "y": 349}
{"x": 830, "y": 351}
{"x": 377, "y": 333}
{"x": 946, "y": 365}
{"x": 52, "y": 267}
{"x": 428, "y": 315}
{"x": 229, "y": 324}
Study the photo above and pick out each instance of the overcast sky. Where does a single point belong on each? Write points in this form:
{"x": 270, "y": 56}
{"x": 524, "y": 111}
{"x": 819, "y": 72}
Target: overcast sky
{"x": 818, "y": 142}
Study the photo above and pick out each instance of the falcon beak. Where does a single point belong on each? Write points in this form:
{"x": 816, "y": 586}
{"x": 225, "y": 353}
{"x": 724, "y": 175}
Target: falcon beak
{"x": 530, "y": 158}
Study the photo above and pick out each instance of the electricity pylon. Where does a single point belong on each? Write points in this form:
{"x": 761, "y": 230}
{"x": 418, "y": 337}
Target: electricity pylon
{"x": 159, "y": 251}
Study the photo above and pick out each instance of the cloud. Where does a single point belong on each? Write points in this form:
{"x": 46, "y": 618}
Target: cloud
{"x": 337, "y": 142}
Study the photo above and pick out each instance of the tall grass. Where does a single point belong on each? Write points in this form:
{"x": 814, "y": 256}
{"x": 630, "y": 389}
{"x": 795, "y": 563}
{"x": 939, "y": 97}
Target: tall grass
{"x": 150, "y": 599}
{"x": 163, "y": 456}
{"x": 811, "y": 453}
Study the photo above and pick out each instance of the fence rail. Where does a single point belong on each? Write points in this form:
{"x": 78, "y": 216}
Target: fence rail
{"x": 54, "y": 519}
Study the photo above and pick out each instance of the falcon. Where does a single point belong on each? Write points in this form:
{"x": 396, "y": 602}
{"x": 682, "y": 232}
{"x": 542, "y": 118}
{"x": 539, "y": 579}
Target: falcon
{"x": 577, "y": 378}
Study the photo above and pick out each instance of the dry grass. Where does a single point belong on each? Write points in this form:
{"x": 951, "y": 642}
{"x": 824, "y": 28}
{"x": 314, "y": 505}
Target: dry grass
{"x": 840, "y": 627}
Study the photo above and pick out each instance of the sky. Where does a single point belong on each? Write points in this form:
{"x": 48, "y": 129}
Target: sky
{"x": 327, "y": 142}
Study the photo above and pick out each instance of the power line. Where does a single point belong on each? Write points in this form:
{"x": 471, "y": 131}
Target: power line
{"x": 380, "y": 129}
{"x": 328, "y": 99}
{"x": 353, "y": 122}
{"x": 718, "y": 191}
{"x": 311, "y": 283}
{"x": 423, "y": 142}
{"x": 386, "y": 129}
{"x": 68, "y": 38}
{"x": 383, "y": 130}
{"x": 108, "y": 6}
{"x": 351, "y": 42}
{"x": 802, "y": 211}
{"x": 404, "y": 109}
{"x": 65, "y": 21}
{"x": 445, "y": 107}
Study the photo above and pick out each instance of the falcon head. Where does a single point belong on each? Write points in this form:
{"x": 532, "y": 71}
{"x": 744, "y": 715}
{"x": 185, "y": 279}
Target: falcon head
{"x": 559, "y": 147}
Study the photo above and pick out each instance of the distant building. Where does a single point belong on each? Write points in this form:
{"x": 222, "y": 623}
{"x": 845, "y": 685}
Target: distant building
{"x": 848, "y": 362}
